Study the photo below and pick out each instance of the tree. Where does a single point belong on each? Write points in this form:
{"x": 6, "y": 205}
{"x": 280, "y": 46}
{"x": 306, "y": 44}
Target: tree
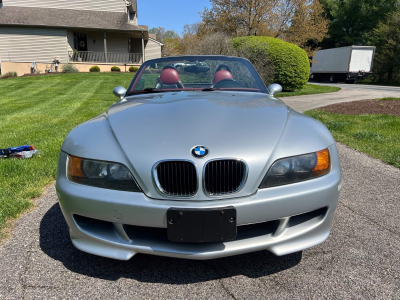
{"x": 171, "y": 47}
{"x": 308, "y": 27}
{"x": 296, "y": 21}
{"x": 353, "y": 21}
{"x": 387, "y": 39}
{"x": 162, "y": 34}
{"x": 190, "y": 38}
{"x": 236, "y": 17}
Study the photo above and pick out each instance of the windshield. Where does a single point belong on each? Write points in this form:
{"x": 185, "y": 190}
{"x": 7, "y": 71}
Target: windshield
{"x": 196, "y": 73}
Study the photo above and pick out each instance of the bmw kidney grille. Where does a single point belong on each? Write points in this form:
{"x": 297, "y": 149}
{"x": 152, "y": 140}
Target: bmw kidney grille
{"x": 223, "y": 177}
{"x": 176, "y": 178}
{"x": 220, "y": 177}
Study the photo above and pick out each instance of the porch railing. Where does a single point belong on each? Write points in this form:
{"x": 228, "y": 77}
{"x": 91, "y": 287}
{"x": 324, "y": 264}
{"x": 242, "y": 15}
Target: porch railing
{"x": 100, "y": 57}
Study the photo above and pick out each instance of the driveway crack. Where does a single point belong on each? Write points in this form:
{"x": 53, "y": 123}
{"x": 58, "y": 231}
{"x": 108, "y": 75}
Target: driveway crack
{"x": 371, "y": 220}
{"x": 26, "y": 265}
{"x": 220, "y": 280}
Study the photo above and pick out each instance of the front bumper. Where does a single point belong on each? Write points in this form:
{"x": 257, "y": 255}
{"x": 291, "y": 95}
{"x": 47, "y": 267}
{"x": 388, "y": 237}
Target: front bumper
{"x": 103, "y": 222}
{"x": 358, "y": 76}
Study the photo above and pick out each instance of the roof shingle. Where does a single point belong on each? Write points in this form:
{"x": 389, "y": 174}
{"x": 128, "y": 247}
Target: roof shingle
{"x": 50, "y": 17}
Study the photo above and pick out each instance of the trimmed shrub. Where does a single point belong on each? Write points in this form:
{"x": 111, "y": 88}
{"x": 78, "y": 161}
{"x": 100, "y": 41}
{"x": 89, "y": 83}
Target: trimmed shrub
{"x": 290, "y": 62}
{"x": 94, "y": 69}
{"x": 219, "y": 43}
{"x": 69, "y": 68}
{"x": 115, "y": 69}
{"x": 133, "y": 69}
{"x": 9, "y": 75}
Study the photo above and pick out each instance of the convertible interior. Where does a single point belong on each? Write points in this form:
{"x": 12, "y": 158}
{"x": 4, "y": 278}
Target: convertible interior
{"x": 170, "y": 80}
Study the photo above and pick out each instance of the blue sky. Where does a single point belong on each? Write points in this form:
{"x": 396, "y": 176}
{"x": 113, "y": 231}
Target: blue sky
{"x": 170, "y": 14}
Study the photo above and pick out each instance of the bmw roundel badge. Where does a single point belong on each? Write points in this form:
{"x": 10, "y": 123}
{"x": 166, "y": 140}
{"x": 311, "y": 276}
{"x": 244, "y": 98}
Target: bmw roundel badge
{"x": 199, "y": 151}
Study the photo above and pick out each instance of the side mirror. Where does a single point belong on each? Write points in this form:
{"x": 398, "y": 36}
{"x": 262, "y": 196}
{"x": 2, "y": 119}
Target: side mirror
{"x": 274, "y": 89}
{"x": 120, "y": 92}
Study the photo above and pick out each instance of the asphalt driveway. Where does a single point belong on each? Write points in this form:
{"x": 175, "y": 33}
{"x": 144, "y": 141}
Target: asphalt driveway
{"x": 368, "y": 87}
{"x": 361, "y": 259}
{"x": 348, "y": 92}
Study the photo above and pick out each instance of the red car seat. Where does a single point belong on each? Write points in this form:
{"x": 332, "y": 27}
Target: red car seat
{"x": 169, "y": 79}
{"x": 221, "y": 75}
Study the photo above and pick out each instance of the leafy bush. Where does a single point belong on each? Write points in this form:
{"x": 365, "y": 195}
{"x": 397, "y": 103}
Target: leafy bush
{"x": 69, "y": 68}
{"x": 115, "y": 69}
{"x": 94, "y": 69}
{"x": 290, "y": 63}
{"x": 221, "y": 44}
{"x": 133, "y": 69}
{"x": 9, "y": 75}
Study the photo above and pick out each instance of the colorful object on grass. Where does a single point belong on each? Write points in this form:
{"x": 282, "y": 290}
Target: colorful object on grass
{"x": 26, "y": 151}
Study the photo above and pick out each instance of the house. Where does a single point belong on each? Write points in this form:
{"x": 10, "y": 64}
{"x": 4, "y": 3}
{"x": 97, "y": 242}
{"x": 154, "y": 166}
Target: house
{"x": 84, "y": 32}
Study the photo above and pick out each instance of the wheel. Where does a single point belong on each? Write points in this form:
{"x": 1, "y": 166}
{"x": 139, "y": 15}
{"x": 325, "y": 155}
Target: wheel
{"x": 350, "y": 81}
{"x": 332, "y": 78}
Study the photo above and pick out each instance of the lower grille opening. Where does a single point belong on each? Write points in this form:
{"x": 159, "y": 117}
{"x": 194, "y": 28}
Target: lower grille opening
{"x": 98, "y": 228}
{"x": 106, "y": 230}
{"x": 243, "y": 231}
{"x": 88, "y": 223}
{"x": 255, "y": 230}
{"x": 137, "y": 232}
{"x": 315, "y": 214}
{"x": 176, "y": 178}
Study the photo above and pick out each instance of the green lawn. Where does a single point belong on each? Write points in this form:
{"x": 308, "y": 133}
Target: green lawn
{"x": 40, "y": 111}
{"x": 375, "y": 135}
{"x": 310, "y": 89}
{"x": 387, "y": 99}
{"x": 378, "y": 83}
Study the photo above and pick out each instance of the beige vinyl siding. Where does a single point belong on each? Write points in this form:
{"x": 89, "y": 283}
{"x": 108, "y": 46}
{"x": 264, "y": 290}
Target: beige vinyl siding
{"x": 18, "y": 44}
{"x": 95, "y": 41}
{"x": 96, "y": 5}
{"x": 70, "y": 39}
{"x": 117, "y": 42}
{"x": 153, "y": 50}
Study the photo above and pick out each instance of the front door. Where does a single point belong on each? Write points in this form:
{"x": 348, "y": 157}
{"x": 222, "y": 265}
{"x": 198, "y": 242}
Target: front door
{"x": 81, "y": 42}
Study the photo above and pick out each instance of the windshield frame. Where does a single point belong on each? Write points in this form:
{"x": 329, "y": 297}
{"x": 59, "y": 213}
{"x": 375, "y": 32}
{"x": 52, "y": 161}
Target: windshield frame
{"x": 143, "y": 67}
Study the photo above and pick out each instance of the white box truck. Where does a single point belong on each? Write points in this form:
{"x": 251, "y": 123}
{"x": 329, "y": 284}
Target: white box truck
{"x": 343, "y": 64}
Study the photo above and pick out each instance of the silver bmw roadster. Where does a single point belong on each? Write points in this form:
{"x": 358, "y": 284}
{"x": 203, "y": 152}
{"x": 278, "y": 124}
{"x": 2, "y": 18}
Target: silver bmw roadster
{"x": 198, "y": 161}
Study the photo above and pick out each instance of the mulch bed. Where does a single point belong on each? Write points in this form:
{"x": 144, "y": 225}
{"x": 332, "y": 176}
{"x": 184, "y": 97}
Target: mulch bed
{"x": 384, "y": 107}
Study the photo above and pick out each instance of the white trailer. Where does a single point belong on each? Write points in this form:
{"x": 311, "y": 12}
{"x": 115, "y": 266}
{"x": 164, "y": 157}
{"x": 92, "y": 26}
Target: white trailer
{"x": 343, "y": 64}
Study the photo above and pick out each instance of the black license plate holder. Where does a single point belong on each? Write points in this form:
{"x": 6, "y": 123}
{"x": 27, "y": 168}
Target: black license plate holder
{"x": 201, "y": 225}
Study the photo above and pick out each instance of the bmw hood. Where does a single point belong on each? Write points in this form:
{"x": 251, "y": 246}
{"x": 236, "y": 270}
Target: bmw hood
{"x": 151, "y": 128}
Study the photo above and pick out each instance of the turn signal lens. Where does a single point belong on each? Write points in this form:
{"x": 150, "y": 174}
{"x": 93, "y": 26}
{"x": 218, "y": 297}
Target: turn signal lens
{"x": 297, "y": 168}
{"x": 324, "y": 160}
{"x": 75, "y": 167}
{"x": 102, "y": 174}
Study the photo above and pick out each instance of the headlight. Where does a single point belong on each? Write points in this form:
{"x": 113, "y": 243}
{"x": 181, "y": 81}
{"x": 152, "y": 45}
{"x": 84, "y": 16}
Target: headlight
{"x": 101, "y": 174}
{"x": 297, "y": 168}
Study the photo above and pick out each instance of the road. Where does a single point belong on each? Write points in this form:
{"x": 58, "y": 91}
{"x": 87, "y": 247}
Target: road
{"x": 360, "y": 260}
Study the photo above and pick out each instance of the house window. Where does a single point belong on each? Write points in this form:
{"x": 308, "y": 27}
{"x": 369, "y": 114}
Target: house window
{"x": 1, "y": 4}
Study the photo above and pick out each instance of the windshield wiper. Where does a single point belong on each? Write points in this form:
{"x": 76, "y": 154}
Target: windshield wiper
{"x": 210, "y": 89}
{"x": 152, "y": 90}
{"x": 146, "y": 90}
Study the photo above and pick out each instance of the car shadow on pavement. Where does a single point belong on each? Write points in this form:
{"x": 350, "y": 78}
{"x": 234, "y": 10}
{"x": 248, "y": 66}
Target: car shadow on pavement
{"x": 55, "y": 242}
